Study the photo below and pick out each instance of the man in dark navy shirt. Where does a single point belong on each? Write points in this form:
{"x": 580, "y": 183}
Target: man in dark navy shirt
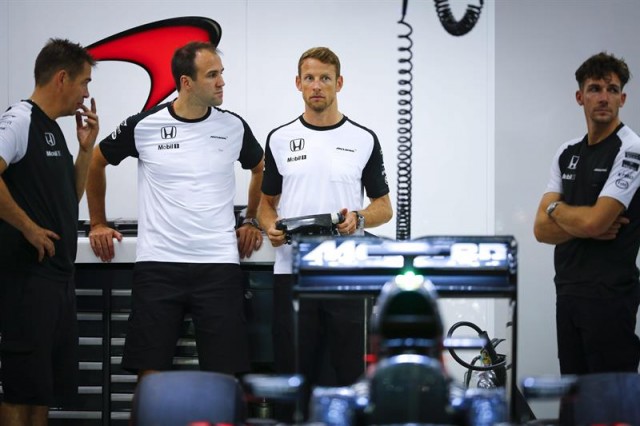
{"x": 40, "y": 188}
{"x": 591, "y": 212}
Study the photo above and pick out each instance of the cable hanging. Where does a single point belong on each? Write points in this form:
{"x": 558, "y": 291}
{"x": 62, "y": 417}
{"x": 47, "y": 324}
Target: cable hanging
{"x": 405, "y": 127}
{"x": 405, "y": 102}
{"x": 450, "y": 24}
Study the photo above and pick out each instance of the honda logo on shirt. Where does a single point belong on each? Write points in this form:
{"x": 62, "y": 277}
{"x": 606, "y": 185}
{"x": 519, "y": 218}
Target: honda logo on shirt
{"x": 296, "y": 145}
{"x": 574, "y": 162}
{"x": 169, "y": 132}
{"x": 51, "y": 140}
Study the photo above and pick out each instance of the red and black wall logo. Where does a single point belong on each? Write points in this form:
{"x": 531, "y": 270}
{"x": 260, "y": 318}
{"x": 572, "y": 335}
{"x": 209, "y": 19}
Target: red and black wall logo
{"x": 151, "y": 46}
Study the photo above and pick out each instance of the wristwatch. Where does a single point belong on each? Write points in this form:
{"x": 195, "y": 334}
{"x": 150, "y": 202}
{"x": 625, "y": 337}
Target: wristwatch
{"x": 251, "y": 221}
{"x": 360, "y": 224}
{"x": 551, "y": 207}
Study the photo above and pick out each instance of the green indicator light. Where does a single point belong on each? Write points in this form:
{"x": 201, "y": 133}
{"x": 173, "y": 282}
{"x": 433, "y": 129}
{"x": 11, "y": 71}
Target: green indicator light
{"x": 409, "y": 281}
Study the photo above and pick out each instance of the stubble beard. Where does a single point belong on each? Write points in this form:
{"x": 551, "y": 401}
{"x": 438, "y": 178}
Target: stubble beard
{"x": 319, "y": 106}
{"x": 604, "y": 119}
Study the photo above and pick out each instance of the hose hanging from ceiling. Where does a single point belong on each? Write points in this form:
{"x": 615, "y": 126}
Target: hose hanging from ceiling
{"x": 405, "y": 103}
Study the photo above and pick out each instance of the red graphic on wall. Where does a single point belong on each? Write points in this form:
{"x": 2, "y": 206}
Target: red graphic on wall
{"x": 151, "y": 46}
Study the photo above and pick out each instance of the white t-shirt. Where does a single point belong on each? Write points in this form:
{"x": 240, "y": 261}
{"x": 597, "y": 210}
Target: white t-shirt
{"x": 321, "y": 170}
{"x": 186, "y": 181}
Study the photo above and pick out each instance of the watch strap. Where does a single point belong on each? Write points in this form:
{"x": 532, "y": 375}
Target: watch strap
{"x": 251, "y": 221}
{"x": 360, "y": 218}
{"x": 551, "y": 207}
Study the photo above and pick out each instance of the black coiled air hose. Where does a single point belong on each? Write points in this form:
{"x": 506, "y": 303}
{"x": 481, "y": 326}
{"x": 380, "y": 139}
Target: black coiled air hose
{"x": 405, "y": 127}
{"x": 405, "y": 112}
{"x": 450, "y": 24}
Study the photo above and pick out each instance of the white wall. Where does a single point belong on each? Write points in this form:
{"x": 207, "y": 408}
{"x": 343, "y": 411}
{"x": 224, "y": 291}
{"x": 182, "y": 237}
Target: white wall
{"x": 4, "y": 44}
{"x": 539, "y": 45}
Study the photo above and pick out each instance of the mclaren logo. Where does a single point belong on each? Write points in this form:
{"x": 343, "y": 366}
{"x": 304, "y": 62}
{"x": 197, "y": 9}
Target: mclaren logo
{"x": 345, "y": 149}
{"x": 162, "y": 38}
{"x": 169, "y": 132}
{"x": 50, "y": 138}
{"x": 296, "y": 145}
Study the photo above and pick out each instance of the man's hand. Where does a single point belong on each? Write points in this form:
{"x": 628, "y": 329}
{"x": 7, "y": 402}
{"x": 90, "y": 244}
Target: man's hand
{"x": 350, "y": 223}
{"x": 42, "y": 240}
{"x": 87, "y": 128}
{"x": 101, "y": 239}
{"x": 613, "y": 230}
{"x": 249, "y": 239}
{"x": 276, "y": 236}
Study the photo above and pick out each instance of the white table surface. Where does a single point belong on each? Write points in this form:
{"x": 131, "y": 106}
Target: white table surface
{"x": 125, "y": 252}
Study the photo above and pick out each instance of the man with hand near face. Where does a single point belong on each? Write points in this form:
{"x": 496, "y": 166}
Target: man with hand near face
{"x": 40, "y": 187}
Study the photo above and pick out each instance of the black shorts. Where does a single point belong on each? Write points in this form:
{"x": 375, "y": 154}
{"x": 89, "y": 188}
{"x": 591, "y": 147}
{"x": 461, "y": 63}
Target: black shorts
{"x": 39, "y": 346}
{"x": 163, "y": 292}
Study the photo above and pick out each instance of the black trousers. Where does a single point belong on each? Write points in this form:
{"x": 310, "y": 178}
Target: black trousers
{"x": 331, "y": 337}
{"x": 597, "y": 335}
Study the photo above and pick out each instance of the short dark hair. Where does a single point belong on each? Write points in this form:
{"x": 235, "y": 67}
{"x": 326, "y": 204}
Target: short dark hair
{"x": 324, "y": 55}
{"x": 602, "y": 65}
{"x": 60, "y": 54}
{"x": 183, "y": 61}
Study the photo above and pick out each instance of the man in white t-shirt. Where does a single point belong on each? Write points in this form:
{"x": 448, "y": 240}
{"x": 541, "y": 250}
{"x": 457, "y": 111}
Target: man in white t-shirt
{"x": 188, "y": 249}
{"x": 321, "y": 162}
